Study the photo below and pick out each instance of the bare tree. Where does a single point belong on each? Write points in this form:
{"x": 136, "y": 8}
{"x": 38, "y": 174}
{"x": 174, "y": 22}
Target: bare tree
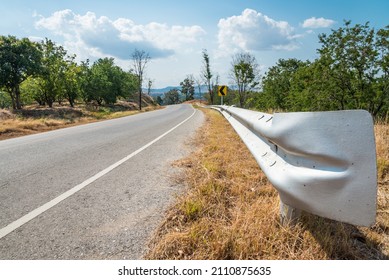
{"x": 198, "y": 82}
{"x": 140, "y": 59}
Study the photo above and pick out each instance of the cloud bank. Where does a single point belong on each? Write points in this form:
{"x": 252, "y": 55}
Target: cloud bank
{"x": 317, "y": 22}
{"x": 88, "y": 35}
{"x": 253, "y": 31}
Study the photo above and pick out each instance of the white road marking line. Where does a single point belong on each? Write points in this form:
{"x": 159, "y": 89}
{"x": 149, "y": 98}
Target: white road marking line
{"x": 34, "y": 213}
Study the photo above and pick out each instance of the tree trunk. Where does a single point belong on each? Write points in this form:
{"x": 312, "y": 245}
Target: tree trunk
{"x": 210, "y": 93}
{"x": 50, "y": 103}
{"x": 17, "y": 98}
{"x": 140, "y": 90}
{"x": 140, "y": 99}
{"x": 71, "y": 101}
{"x": 11, "y": 93}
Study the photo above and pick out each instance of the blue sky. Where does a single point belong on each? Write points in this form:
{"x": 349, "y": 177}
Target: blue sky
{"x": 176, "y": 32}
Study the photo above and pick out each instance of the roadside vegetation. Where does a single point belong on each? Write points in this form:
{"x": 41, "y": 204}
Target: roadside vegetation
{"x": 34, "y": 118}
{"x": 230, "y": 210}
{"x": 42, "y": 87}
{"x": 351, "y": 71}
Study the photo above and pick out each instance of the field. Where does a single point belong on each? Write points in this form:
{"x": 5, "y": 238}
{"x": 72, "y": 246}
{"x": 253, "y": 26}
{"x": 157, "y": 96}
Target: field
{"x": 231, "y": 211}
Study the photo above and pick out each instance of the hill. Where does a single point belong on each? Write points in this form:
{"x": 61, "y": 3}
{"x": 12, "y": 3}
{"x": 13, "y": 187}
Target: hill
{"x": 154, "y": 92}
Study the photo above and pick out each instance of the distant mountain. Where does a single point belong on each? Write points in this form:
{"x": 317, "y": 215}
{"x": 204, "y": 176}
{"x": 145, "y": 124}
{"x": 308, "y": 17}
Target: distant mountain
{"x": 161, "y": 91}
{"x": 154, "y": 92}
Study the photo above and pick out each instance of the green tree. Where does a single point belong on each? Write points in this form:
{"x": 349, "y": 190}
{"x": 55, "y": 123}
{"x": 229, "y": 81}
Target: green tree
{"x": 382, "y": 88}
{"x": 5, "y": 100}
{"x": 159, "y": 100}
{"x": 311, "y": 89}
{"x": 72, "y": 82}
{"x": 207, "y": 75}
{"x": 129, "y": 85}
{"x": 85, "y": 81}
{"x": 32, "y": 91}
{"x": 187, "y": 88}
{"x": 54, "y": 67}
{"x": 171, "y": 97}
{"x": 101, "y": 83}
{"x": 105, "y": 82}
{"x": 19, "y": 59}
{"x": 352, "y": 72}
{"x": 276, "y": 84}
{"x": 244, "y": 74}
{"x": 349, "y": 55}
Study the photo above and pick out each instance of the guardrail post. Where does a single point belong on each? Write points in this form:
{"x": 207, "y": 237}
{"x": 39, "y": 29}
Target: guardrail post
{"x": 289, "y": 215}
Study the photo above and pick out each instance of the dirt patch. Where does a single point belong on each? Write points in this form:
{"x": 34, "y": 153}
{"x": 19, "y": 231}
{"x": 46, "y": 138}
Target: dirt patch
{"x": 51, "y": 113}
{"x": 6, "y": 115}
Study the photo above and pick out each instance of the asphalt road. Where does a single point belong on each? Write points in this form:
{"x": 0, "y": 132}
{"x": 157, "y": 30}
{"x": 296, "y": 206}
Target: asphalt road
{"x": 99, "y": 191}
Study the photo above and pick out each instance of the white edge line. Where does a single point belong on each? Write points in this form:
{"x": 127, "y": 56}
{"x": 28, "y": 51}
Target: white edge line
{"x": 36, "y": 212}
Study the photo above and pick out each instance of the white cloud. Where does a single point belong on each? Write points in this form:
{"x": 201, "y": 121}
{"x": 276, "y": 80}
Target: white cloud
{"x": 253, "y": 31}
{"x": 89, "y": 35}
{"x": 35, "y": 38}
{"x": 317, "y": 22}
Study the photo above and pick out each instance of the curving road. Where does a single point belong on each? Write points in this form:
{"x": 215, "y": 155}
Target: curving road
{"x": 94, "y": 191}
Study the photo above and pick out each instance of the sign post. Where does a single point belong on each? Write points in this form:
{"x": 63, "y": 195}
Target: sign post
{"x": 222, "y": 91}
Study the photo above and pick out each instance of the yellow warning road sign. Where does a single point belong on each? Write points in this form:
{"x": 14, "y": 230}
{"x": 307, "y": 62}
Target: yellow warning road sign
{"x": 222, "y": 90}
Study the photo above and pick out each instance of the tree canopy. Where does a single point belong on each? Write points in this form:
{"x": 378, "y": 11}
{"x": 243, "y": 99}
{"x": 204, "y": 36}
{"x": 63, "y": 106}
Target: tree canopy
{"x": 19, "y": 59}
{"x": 187, "y": 88}
{"x": 45, "y": 73}
{"x": 351, "y": 72}
{"x": 244, "y": 74}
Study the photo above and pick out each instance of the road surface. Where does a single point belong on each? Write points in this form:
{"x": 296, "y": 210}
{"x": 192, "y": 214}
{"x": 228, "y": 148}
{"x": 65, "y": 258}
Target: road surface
{"x": 94, "y": 191}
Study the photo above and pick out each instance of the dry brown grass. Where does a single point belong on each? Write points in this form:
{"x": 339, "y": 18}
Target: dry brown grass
{"x": 381, "y": 130}
{"x": 35, "y": 119}
{"x": 230, "y": 211}
{"x": 19, "y": 127}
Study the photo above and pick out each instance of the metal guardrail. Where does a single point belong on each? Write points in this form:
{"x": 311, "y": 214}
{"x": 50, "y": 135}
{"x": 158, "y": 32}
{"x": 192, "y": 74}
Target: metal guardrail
{"x": 320, "y": 162}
